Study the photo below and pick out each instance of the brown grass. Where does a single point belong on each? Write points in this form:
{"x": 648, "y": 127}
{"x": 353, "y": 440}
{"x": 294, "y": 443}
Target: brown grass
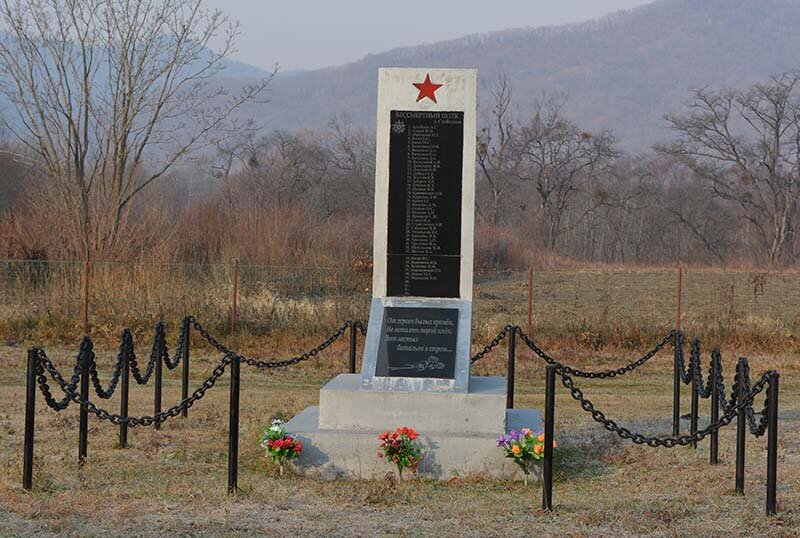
{"x": 625, "y": 309}
{"x": 172, "y": 482}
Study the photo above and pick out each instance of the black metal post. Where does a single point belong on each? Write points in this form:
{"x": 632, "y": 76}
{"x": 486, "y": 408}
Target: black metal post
{"x": 160, "y": 343}
{"x": 30, "y": 416}
{"x": 233, "y": 428}
{"x": 676, "y": 390}
{"x": 772, "y": 445}
{"x": 187, "y": 333}
{"x": 715, "y": 369}
{"x": 123, "y": 399}
{"x": 695, "y": 404}
{"x": 353, "y": 336}
{"x": 740, "y": 429}
{"x": 87, "y": 357}
{"x": 549, "y": 416}
{"x": 512, "y": 358}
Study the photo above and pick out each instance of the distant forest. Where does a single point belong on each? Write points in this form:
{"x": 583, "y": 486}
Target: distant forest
{"x": 116, "y": 151}
{"x": 725, "y": 191}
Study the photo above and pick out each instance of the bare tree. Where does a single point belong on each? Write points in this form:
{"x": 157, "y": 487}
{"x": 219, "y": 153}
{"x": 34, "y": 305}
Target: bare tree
{"x": 495, "y": 150}
{"x": 746, "y": 145}
{"x": 110, "y": 94}
{"x": 560, "y": 159}
{"x": 351, "y": 152}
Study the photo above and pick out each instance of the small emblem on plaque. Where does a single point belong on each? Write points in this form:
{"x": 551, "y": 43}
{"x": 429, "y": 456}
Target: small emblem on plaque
{"x": 427, "y": 89}
{"x": 398, "y": 127}
{"x": 431, "y": 363}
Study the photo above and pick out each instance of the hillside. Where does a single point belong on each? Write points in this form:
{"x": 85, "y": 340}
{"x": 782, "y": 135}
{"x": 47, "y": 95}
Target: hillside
{"x": 624, "y": 71}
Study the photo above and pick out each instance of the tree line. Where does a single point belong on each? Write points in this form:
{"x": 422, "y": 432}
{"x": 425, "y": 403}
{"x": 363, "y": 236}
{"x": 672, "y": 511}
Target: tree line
{"x": 124, "y": 146}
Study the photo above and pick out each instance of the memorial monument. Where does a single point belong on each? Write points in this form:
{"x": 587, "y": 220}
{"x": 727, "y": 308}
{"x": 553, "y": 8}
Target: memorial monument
{"x": 416, "y": 363}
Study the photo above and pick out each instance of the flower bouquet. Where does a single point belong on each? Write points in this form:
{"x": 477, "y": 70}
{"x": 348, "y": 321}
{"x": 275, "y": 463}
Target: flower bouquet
{"x": 400, "y": 448}
{"x": 525, "y": 447}
{"x": 280, "y": 446}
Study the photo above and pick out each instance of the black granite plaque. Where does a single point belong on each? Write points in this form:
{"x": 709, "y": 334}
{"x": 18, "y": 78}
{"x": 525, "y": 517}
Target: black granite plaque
{"x": 418, "y": 342}
{"x": 426, "y": 151}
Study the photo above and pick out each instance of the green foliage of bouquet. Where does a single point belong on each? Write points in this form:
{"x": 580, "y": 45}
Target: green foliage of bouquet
{"x": 400, "y": 448}
{"x": 525, "y": 447}
{"x": 280, "y": 446}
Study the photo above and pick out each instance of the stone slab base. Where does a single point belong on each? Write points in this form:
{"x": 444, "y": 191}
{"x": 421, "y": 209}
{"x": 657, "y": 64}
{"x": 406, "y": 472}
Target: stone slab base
{"x": 482, "y": 410}
{"x": 334, "y": 454}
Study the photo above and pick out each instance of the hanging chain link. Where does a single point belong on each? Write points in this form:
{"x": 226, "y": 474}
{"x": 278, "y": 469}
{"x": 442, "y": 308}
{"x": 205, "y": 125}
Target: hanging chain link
{"x": 272, "y": 364}
{"x": 703, "y": 388}
{"x": 361, "y": 328}
{"x": 159, "y": 351}
{"x": 716, "y": 364}
{"x": 494, "y": 343}
{"x": 140, "y": 378}
{"x": 757, "y": 425}
{"x": 124, "y": 347}
{"x": 668, "y": 442}
{"x": 601, "y": 374}
{"x": 44, "y": 363}
{"x": 180, "y": 349}
{"x": 684, "y": 372}
{"x": 173, "y": 411}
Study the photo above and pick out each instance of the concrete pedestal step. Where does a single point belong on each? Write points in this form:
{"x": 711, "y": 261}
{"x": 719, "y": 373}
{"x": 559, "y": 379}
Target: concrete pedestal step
{"x": 352, "y": 454}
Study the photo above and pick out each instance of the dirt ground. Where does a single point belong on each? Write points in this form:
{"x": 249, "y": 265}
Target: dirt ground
{"x": 173, "y": 482}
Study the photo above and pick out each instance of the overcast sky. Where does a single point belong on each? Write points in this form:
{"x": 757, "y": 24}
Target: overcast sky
{"x": 307, "y": 34}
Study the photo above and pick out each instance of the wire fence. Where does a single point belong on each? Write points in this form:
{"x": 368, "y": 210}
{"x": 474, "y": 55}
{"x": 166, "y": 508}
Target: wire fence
{"x": 598, "y": 307}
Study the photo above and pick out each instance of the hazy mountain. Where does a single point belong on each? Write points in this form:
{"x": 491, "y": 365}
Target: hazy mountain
{"x": 624, "y": 71}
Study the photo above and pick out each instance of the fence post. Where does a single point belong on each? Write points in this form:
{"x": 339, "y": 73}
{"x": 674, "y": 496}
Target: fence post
{"x": 87, "y": 357}
{"x": 695, "y": 398}
{"x": 512, "y": 358}
{"x": 30, "y": 416}
{"x": 530, "y": 301}
{"x": 678, "y": 296}
{"x": 772, "y": 445}
{"x": 86, "y": 268}
{"x": 715, "y": 369}
{"x": 740, "y": 428}
{"x": 187, "y": 333}
{"x": 676, "y": 385}
{"x": 124, "y": 388}
{"x": 160, "y": 343}
{"x": 235, "y": 294}
{"x": 549, "y": 416}
{"x": 353, "y": 336}
{"x": 233, "y": 428}
{"x": 676, "y": 389}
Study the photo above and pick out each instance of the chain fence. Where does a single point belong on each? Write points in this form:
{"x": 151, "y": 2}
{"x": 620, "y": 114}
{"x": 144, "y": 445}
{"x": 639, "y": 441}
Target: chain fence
{"x": 740, "y": 404}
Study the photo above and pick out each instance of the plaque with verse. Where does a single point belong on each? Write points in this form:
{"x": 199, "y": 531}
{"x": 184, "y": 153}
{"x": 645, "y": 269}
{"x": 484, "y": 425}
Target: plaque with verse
{"x": 425, "y": 189}
{"x": 418, "y": 342}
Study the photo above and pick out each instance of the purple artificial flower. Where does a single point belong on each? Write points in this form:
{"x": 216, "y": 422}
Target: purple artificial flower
{"x": 515, "y": 435}
{"x": 501, "y": 440}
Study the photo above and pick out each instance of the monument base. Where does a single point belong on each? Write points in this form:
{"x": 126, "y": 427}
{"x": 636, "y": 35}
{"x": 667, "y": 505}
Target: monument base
{"x": 349, "y": 449}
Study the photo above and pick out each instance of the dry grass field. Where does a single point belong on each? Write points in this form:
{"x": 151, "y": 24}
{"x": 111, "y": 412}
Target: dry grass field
{"x": 603, "y": 308}
{"x": 172, "y": 482}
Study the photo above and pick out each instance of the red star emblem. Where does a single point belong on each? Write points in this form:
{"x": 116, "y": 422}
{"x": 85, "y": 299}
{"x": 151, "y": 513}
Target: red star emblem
{"x": 427, "y": 89}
